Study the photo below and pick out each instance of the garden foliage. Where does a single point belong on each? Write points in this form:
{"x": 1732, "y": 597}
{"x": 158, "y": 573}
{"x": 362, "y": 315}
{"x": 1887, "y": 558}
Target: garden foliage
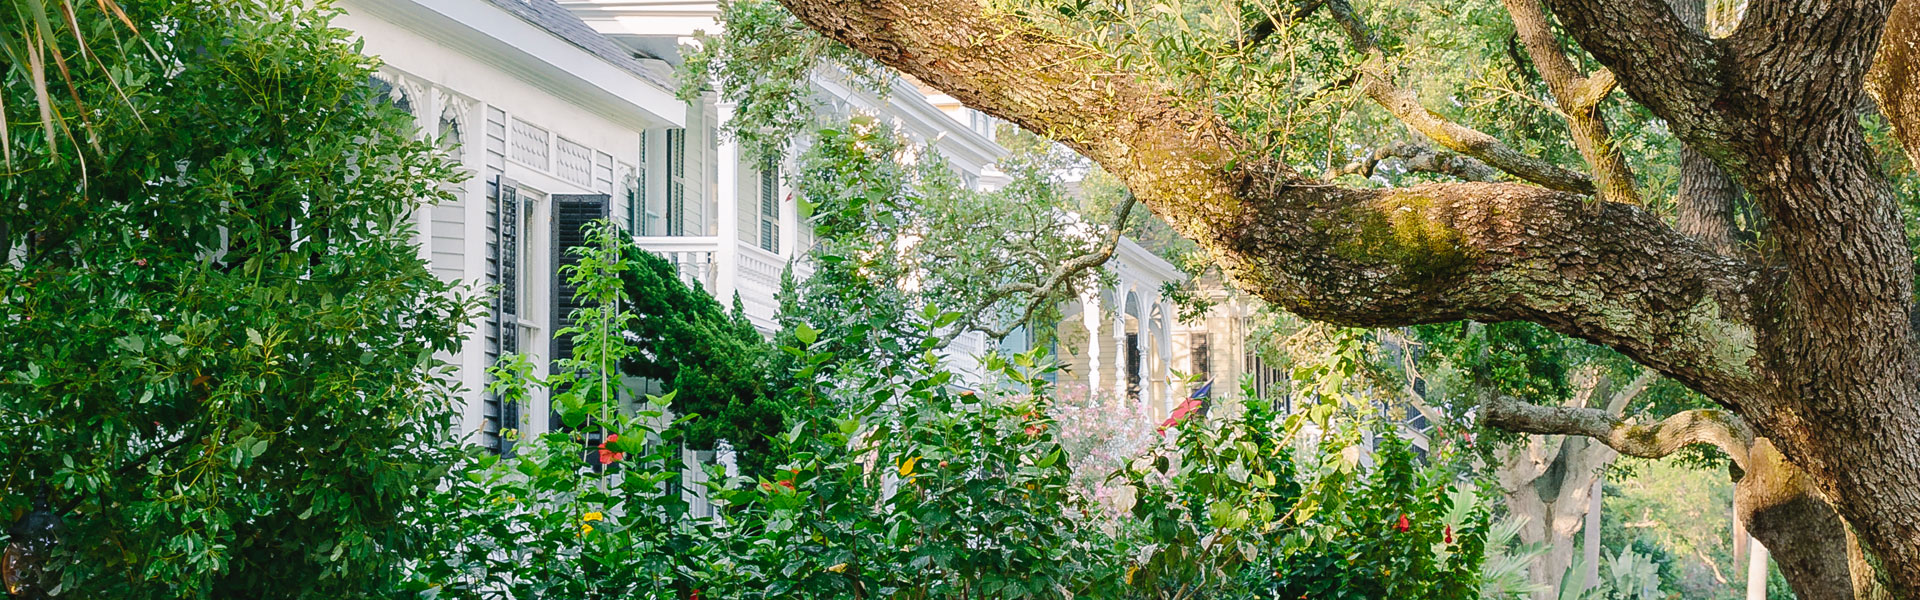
{"x": 714, "y": 361}
{"x": 217, "y": 338}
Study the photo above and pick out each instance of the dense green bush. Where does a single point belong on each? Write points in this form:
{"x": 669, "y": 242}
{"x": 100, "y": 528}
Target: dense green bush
{"x": 903, "y": 486}
{"x": 715, "y": 362}
{"x": 217, "y": 340}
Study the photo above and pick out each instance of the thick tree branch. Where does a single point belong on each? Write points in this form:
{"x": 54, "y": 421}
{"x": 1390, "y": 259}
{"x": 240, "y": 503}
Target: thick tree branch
{"x": 1674, "y": 69}
{"x": 1702, "y": 426}
{"x": 1894, "y": 79}
{"x": 1603, "y": 271}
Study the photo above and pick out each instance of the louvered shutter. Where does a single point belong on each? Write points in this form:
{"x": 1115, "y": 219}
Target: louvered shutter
{"x": 770, "y": 205}
{"x": 676, "y": 182}
{"x": 502, "y": 415}
{"x": 571, "y": 217}
{"x": 637, "y": 195}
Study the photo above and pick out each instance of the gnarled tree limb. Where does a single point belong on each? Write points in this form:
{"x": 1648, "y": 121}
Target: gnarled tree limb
{"x": 1579, "y": 96}
{"x": 1420, "y": 157}
{"x": 1603, "y": 271}
{"x": 1701, "y": 426}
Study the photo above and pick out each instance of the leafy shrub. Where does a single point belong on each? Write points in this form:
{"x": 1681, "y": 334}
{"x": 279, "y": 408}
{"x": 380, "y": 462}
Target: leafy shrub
{"x": 1225, "y": 511}
{"x": 217, "y": 338}
{"x": 910, "y": 488}
{"x": 584, "y": 512}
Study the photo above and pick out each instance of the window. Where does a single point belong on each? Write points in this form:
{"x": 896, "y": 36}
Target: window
{"x": 676, "y": 182}
{"x": 1202, "y": 351}
{"x": 770, "y": 205}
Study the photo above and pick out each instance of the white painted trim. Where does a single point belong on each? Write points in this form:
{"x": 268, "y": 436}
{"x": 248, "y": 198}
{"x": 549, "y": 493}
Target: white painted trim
{"x": 505, "y": 40}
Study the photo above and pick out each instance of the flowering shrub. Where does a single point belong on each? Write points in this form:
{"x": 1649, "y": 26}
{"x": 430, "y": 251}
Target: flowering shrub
{"x": 1228, "y": 508}
{"x": 1101, "y": 435}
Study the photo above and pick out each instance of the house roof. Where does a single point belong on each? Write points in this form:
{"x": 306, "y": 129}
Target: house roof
{"x": 557, "y": 20}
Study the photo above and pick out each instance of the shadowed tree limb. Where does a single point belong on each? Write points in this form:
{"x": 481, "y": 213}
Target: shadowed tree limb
{"x": 1422, "y": 158}
{"x": 1603, "y": 271}
{"x": 1718, "y": 427}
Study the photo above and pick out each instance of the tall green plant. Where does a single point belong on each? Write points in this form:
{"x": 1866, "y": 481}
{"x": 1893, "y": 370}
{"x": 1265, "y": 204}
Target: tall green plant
{"x": 585, "y": 512}
{"x": 903, "y": 486}
{"x": 217, "y": 340}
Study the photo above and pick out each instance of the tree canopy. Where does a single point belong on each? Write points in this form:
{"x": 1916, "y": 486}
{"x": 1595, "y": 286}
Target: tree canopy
{"x": 1779, "y": 284}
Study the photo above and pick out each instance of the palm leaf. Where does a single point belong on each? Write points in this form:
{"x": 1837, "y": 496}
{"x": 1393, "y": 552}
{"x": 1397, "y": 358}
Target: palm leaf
{"x": 35, "y": 41}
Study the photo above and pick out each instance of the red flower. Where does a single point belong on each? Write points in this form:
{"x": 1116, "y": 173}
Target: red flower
{"x": 140, "y": 261}
{"x": 607, "y": 457}
{"x": 1402, "y": 526}
{"x": 787, "y": 482}
{"x": 1449, "y": 534}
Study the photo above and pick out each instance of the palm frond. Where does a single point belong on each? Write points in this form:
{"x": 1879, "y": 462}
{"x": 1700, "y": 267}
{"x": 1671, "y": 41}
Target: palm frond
{"x": 32, "y": 40}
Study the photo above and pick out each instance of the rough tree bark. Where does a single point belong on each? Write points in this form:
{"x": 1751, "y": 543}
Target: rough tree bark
{"x": 1579, "y": 95}
{"x": 1808, "y": 341}
{"x": 1895, "y": 77}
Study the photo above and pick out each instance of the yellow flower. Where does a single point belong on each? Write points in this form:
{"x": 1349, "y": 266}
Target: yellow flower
{"x": 585, "y": 529}
{"x": 593, "y": 516}
{"x": 839, "y": 568}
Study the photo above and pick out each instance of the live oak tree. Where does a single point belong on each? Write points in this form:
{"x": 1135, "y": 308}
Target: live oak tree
{"x": 1806, "y": 336}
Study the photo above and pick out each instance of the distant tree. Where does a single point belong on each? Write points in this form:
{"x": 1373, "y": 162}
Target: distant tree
{"x": 217, "y": 337}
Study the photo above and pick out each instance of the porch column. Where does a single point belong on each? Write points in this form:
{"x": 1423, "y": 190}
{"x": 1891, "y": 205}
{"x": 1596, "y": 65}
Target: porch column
{"x": 726, "y": 196}
{"x": 1169, "y": 396}
{"x": 1090, "y": 319}
{"x": 1120, "y": 343}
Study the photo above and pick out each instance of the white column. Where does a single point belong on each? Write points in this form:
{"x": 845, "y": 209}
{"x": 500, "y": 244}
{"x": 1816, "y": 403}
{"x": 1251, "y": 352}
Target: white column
{"x": 789, "y": 219}
{"x": 1756, "y": 571}
{"x": 1165, "y": 338}
{"x": 1120, "y": 343}
{"x": 1090, "y": 319}
{"x": 726, "y": 195}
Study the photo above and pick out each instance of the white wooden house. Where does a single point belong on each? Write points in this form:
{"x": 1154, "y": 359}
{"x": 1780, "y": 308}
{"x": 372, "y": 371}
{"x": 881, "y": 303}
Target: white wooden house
{"x": 552, "y": 122}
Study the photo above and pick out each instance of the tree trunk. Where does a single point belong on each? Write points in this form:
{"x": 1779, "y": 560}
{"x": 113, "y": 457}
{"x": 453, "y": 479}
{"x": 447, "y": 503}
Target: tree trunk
{"x": 1785, "y": 513}
{"x": 1549, "y": 483}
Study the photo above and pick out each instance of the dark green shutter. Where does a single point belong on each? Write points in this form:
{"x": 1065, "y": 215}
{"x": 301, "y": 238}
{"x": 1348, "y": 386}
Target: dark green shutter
{"x": 571, "y": 217}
